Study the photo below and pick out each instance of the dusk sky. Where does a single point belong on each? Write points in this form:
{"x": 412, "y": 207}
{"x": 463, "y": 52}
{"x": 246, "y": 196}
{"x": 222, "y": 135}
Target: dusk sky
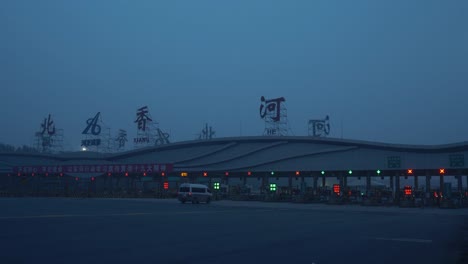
{"x": 388, "y": 71}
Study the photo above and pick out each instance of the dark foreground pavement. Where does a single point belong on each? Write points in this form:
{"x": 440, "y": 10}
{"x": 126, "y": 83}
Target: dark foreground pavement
{"x": 56, "y": 230}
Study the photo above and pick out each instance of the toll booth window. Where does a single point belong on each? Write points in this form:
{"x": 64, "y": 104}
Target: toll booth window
{"x": 184, "y": 189}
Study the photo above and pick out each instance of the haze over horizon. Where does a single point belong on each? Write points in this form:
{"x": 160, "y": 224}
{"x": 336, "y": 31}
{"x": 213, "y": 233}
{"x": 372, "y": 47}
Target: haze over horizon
{"x": 385, "y": 71}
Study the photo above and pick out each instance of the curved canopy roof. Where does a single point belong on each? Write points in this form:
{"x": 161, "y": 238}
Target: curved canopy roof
{"x": 265, "y": 154}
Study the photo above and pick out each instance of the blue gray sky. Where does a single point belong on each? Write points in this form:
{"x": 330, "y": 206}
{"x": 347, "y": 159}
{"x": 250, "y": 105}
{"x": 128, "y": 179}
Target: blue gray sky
{"x": 388, "y": 71}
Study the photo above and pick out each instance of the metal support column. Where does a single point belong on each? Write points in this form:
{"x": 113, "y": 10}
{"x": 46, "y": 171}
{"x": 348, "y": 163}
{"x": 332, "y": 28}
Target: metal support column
{"x": 118, "y": 182}
{"x": 226, "y": 180}
{"x": 428, "y": 184}
{"x": 460, "y": 184}
{"x": 323, "y": 182}
{"x": 160, "y": 183}
{"x": 416, "y": 182}
{"x": 441, "y": 186}
{"x": 127, "y": 184}
{"x": 392, "y": 184}
{"x": 303, "y": 189}
{"x": 264, "y": 182}
{"x": 368, "y": 183}
{"x": 396, "y": 194}
{"x": 315, "y": 183}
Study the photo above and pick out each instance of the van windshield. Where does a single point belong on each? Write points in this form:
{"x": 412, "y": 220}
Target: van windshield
{"x": 198, "y": 190}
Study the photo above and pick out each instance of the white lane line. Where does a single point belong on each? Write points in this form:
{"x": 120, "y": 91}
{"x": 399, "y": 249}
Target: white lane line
{"x": 37, "y": 216}
{"x": 68, "y": 215}
{"x": 412, "y": 240}
{"x": 120, "y": 214}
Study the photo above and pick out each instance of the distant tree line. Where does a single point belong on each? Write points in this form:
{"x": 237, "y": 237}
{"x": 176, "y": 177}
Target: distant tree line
{"x": 10, "y": 148}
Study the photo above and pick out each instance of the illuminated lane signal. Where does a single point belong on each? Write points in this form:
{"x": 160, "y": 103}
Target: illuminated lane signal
{"x": 126, "y": 174}
{"x": 410, "y": 171}
{"x": 92, "y": 178}
{"x": 272, "y": 173}
{"x": 336, "y": 188}
{"x": 166, "y": 185}
{"x": 226, "y": 173}
{"x": 441, "y": 171}
{"x": 272, "y": 187}
{"x": 378, "y": 172}
{"x": 205, "y": 174}
{"x": 144, "y": 174}
{"x": 163, "y": 174}
{"x": 184, "y": 174}
{"x": 298, "y": 173}
{"x": 408, "y": 190}
{"x": 350, "y": 172}
{"x": 323, "y": 172}
{"x": 249, "y": 173}
{"x": 216, "y": 186}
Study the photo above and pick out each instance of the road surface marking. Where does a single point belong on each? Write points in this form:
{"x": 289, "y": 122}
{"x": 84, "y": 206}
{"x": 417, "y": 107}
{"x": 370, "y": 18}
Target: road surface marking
{"x": 413, "y": 240}
{"x": 118, "y": 214}
{"x": 68, "y": 215}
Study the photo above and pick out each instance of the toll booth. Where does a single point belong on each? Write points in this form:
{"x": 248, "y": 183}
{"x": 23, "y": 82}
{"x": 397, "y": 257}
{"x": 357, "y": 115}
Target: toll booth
{"x": 337, "y": 196}
{"x": 407, "y": 198}
{"x": 353, "y": 196}
{"x": 378, "y": 196}
{"x": 324, "y": 194}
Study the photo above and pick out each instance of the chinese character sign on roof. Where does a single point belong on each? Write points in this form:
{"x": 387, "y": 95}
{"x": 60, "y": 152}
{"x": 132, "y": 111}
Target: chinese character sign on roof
{"x": 271, "y": 108}
{"x": 48, "y": 126}
{"x": 48, "y": 138}
{"x": 319, "y": 127}
{"x": 273, "y": 112}
{"x": 121, "y": 139}
{"x": 142, "y": 117}
{"x": 148, "y": 132}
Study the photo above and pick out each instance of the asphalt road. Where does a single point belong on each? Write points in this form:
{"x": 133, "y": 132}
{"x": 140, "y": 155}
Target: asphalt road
{"x": 57, "y": 230}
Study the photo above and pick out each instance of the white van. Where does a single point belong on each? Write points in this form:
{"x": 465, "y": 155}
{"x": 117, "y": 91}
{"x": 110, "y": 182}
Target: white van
{"x": 194, "y": 192}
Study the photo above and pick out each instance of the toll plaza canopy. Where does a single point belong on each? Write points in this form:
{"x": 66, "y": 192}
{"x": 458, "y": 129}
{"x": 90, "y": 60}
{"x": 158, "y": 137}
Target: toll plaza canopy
{"x": 252, "y": 154}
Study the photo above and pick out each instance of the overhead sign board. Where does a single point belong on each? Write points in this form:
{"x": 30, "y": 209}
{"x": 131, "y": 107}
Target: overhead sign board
{"x": 457, "y": 160}
{"x": 394, "y": 162}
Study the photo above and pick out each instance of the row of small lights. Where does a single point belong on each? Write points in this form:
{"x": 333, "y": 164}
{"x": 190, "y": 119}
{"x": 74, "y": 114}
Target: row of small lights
{"x": 298, "y": 173}
{"x": 205, "y": 174}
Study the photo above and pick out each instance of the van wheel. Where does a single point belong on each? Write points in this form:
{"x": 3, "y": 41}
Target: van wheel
{"x": 208, "y": 200}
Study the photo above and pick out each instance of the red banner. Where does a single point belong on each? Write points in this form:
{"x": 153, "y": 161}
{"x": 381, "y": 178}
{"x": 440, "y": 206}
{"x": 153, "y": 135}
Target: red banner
{"x": 96, "y": 168}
